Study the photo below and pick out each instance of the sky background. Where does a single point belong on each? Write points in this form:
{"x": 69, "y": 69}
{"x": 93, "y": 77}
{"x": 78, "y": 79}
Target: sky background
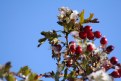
{"x": 21, "y": 22}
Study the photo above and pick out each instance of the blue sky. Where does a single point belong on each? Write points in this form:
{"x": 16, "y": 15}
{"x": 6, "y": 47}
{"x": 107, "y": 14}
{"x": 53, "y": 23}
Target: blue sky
{"x": 21, "y": 22}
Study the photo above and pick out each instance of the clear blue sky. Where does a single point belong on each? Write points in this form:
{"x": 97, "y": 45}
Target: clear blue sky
{"x": 21, "y": 22}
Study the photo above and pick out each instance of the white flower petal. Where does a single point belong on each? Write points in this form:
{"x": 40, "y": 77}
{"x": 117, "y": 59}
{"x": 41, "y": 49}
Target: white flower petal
{"x": 74, "y": 15}
{"x": 75, "y": 33}
{"x": 100, "y": 75}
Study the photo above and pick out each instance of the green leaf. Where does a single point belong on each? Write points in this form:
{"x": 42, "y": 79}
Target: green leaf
{"x": 91, "y": 16}
{"x": 84, "y": 63}
{"x": 33, "y": 77}
{"x": 66, "y": 29}
{"x": 60, "y": 23}
{"x": 41, "y": 41}
{"x": 88, "y": 70}
{"x": 25, "y": 70}
{"x": 57, "y": 76}
{"x": 70, "y": 27}
{"x": 72, "y": 74}
{"x": 10, "y": 77}
{"x": 51, "y": 36}
{"x": 82, "y": 17}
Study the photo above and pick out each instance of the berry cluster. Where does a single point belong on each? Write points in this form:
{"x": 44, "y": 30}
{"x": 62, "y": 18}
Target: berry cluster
{"x": 117, "y": 72}
{"x": 87, "y": 33}
{"x": 97, "y": 56}
{"x": 81, "y": 57}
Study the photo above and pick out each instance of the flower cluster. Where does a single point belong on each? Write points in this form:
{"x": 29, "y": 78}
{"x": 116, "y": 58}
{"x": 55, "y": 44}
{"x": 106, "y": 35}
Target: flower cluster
{"x": 67, "y": 15}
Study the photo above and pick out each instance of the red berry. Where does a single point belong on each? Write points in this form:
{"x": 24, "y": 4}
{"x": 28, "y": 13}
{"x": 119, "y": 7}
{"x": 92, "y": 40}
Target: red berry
{"x": 97, "y": 34}
{"x": 90, "y": 35}
{"x": 103, "y": 40}
{"x": 87, "y": 28}
{"x": 82, "y": 35}
{"x": 72, "y": 46}
{"x": 115, "y": 74}
{"x": 109, "y": 48}
{"x": 90, "y": 48}
{"x": 78, "y": 50}
{"x": 114, "y": 60}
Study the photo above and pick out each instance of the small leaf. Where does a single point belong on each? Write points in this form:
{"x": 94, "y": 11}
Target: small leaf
{"x": 43, "y": 33}
{"x": 25, "y": 70}
{"x": 41, "y": 41}
{"x": 82, "y": 17}
{"x": 70, "y": 26}
{"x": 60, "y": 23}
{"x": 91, "y": 16}
{"x": 72, "y": 74}
{"x": 95, "y": 20}
{"x": 84, "y": 63}
{"x": 50, "y": 36}
{"x": 10, "y": 77}
{"x": 66, "y": 29}
{"x": 52, "y": 74}
{"x": 33, "y": 77}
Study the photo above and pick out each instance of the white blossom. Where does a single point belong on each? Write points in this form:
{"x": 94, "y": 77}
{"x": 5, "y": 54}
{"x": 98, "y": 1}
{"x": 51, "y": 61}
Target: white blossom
{"x": 75, "y": 33}
{"x": 100, "y": 75}
{"x": 83, "y": 45}
{"x": 103, "y": 56}
{"x": 96, "y": 51}
{"x": 74, "y": 15}
{"x": 63, "y": 11}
